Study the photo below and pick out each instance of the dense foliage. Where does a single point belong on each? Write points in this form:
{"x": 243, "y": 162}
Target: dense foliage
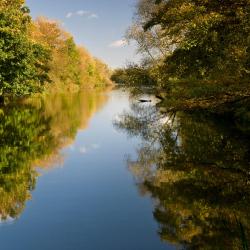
{"x": 133, "y": 75}
{"x": 194, "y": 164}
{"x": 208, "y": 38}
{"x": 71, "y": 65}
{"x": 22, "y": 62}
{"x": 196, "y": 52}
{"x": 33, "y": 54}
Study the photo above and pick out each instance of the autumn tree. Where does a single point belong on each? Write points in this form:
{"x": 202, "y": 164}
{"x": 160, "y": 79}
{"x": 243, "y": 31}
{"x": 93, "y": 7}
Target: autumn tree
{"x": 71, "y": 65}
{"x": 23, "y": 63}
{"x": 207, "y": 37}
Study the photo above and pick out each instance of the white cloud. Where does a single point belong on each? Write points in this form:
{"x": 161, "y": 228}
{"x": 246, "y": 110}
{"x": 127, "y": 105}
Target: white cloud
{"x": 69, "y": 15}
{"x": 82, "y": 12}
{"x": 95, "y": 146}
{"x": 93, "y": 16}
{"x": 118, "y": 43}
{"x": 83, "y": 150}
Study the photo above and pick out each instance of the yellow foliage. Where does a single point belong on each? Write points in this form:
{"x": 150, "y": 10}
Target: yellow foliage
{"x": 71, "y": 66}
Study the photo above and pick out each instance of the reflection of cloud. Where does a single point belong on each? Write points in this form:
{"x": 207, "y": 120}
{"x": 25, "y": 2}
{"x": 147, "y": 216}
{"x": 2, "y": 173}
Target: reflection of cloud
{"x": 83, "y": 150}
{"x": 69, "y": 15}
{"x": 118, "y": 43}
{"x": 95, "y": 146}
{"x": 7, "y": 220}
{"x": 86, "y": 149}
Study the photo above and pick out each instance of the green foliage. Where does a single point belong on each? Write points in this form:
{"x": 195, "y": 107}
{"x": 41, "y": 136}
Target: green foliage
{"x": 72, "y": 71}
{"x": 133, "y": 75}
{"x": 22, "y": 62}
{"x": 35, "y": 53}
{"x": 211, "y": 38}
{"x": 119, "y": 76}
{"x": 199, "y": 51}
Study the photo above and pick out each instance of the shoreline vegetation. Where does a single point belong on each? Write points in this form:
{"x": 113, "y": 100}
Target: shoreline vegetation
{"x": 195, "y": 55}
{"x": 39, "y": 56}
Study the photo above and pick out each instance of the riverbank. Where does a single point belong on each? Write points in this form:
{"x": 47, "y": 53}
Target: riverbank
{"x": 223, "y": 100}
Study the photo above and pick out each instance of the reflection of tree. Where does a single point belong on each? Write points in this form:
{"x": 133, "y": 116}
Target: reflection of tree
{"x": 32, "y": 133}
{"x": 25, "y": 136}
{"x": 69, "y": 112}
{"x": 197, "y": 171}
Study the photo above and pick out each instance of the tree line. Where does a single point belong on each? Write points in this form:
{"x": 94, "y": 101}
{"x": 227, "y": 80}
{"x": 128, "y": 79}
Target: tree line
{"x": 35, "y": 54}
{"x": 194, "y": 52}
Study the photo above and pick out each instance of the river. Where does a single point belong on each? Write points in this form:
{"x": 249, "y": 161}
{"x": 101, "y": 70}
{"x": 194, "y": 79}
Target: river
{"x": 98, "y": 170}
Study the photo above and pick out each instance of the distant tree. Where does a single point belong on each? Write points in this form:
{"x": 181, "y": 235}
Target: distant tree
{"x": 133, "y": 75}
{"x": 71, "y": 65}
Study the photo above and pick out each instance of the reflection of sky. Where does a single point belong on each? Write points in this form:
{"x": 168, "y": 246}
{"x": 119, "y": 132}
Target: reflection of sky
{"x": 97, "y": 24}
{"x": 85, "y": 149}
{"x": 7, "y": 221}
{"x": 91, "y": 202}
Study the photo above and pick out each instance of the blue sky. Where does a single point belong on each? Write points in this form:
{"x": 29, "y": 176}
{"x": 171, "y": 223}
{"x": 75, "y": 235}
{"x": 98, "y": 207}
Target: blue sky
{"x": 98, "y": 25}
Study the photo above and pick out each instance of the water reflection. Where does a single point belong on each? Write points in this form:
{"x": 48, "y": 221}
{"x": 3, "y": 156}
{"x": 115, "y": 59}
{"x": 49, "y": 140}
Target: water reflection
{"x": 197, "y": 171}
{"x": 32, "y": 132}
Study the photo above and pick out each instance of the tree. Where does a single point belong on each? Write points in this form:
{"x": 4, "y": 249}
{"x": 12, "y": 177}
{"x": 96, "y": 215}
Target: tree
{"x": 71, "y": 66}
{"x": 208, "y": 37}
{"x": 23, "y": 63}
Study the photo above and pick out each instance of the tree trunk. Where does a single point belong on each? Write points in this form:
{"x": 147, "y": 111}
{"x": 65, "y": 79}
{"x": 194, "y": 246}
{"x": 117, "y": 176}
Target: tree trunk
{"x": 1, "y": 100}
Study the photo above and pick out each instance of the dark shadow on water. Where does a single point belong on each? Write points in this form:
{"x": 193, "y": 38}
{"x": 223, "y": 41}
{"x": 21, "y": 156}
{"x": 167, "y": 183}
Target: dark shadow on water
{"x": 196, "y": 168}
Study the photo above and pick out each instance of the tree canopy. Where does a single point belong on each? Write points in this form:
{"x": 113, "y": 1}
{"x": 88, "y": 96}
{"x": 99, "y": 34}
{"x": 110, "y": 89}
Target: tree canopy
{"x": 34, "y": 54}
{"x": 22, "y": 61}
{"x": 210, "y": 38}
{"x": 195, "y": 53}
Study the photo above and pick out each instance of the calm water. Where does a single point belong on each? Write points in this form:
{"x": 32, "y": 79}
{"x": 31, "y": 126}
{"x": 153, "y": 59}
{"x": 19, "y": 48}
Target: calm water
{"x": 97, "y": 170}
